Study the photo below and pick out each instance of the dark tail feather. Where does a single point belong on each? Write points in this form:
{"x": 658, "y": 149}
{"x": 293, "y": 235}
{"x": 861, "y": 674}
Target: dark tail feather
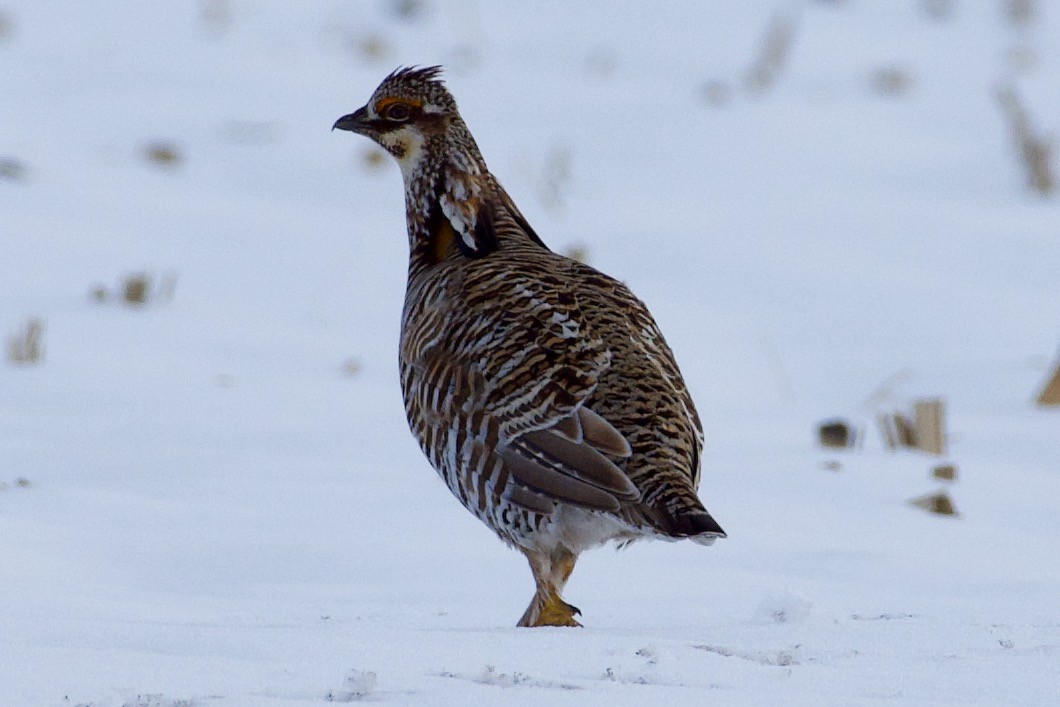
{"x": 680, "y": 514}
{"x": 697, "y": 525}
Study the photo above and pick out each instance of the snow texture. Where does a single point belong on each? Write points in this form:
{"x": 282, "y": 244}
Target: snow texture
{"x": 220, "y": 503}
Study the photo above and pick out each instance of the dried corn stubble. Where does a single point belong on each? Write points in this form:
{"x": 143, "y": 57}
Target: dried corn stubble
{"x": 938, "y": 503}
{"x": 26, "y": 347}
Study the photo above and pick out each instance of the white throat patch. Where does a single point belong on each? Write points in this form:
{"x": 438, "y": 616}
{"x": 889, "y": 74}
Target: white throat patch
{"x": 409, "y": 144}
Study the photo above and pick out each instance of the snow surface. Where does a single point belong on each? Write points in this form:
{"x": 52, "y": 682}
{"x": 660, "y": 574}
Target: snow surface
{"x": 217, "y": 514}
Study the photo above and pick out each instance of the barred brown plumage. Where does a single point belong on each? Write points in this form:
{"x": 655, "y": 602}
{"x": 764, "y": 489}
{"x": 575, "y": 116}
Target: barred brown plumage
{"x": 540, "y": 389}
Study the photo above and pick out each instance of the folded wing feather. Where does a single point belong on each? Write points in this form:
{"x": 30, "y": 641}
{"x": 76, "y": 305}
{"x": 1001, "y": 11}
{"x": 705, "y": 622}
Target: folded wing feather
{"x": 564, "y": 463}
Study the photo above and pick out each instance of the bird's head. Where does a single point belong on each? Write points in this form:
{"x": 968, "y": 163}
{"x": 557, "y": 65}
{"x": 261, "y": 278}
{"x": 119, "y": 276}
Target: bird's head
{"x": 409, "y": 109}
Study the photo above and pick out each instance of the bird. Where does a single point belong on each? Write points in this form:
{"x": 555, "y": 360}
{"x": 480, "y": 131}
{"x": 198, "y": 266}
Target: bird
{"x": 540, "y": 389}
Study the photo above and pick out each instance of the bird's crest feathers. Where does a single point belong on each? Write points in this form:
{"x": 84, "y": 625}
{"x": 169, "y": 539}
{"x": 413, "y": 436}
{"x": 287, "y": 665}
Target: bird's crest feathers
{"x": 422, "y": 85}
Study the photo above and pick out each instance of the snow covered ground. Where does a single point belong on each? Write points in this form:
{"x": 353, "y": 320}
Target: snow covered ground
{"x": 221, "y": 503}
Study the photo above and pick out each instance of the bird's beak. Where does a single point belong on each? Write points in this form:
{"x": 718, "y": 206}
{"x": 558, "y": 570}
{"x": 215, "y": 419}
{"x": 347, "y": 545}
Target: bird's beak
{"x": 354, "y": 122}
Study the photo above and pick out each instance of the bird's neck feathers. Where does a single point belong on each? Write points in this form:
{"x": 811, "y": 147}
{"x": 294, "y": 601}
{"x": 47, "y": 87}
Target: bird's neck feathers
{"x": 449, "y": 196}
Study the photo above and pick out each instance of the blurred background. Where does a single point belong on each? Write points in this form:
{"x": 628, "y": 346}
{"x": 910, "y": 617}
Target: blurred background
{"x": 843, "y": 214}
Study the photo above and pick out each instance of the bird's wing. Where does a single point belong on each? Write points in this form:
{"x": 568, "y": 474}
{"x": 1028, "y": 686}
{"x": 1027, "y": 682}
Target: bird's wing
{"x": 552, "y": 463}
{"x": 524, "y": 361}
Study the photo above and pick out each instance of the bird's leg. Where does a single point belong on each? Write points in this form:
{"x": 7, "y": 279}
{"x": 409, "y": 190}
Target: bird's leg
{"x": 562, "y": 565}
{"x": 551, "y": 572}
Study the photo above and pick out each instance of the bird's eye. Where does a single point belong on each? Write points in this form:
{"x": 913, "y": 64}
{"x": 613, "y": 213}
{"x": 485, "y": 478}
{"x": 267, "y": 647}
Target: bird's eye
{"x": 398, "y": 112}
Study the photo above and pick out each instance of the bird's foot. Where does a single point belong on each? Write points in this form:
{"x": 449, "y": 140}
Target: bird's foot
{"x": 549, "y": 610}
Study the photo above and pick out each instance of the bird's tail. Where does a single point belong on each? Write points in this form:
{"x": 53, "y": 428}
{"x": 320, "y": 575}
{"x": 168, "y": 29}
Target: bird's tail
{"x": 702, "y": 528}
{"x": 685, "y": 517}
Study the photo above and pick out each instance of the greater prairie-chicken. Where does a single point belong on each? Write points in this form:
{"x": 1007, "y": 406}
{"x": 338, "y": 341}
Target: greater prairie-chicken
{"x": 540, "y": 389}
